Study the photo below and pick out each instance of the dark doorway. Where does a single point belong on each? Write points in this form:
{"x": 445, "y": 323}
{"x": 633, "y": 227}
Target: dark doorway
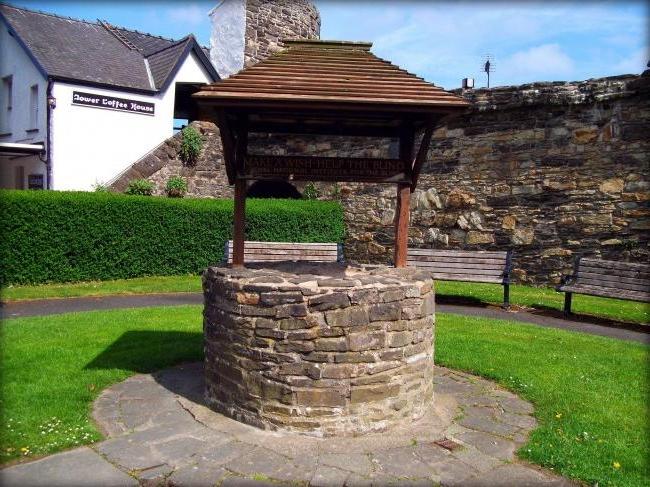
{"x": 273, "y": 189}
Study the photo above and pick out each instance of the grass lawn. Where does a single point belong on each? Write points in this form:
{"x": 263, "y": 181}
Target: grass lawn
{"x": 54, "y": 367}
{"x": 139, "y": 285}
{"x": 547, "y": 298}
{"x": 538, "y": 298}
{"x": 591, "y": 393}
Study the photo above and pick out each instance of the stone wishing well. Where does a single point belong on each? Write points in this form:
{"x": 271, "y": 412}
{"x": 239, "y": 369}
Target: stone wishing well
{"x": 319, "y": 349}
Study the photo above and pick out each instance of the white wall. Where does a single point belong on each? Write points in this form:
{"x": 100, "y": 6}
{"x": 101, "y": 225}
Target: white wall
{"x": 227, "y": 39}
{"x": 91, "y": 145}
{"x": 15, "y": 61}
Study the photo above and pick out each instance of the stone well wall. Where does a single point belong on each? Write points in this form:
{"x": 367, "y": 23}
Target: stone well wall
{"x": 321, "y": 350}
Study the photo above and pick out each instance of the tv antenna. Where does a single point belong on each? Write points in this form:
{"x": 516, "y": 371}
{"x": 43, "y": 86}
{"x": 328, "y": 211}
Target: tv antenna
{"x": 488, "y": 66}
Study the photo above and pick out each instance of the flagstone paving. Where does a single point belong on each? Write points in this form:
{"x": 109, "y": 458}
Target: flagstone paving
{"x": 160, "y": 433}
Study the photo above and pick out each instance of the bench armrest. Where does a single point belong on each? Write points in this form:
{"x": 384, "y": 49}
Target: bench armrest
{"x": 508, "y": 268}
{"x": 569, "y": 278}
{"x": 565, "y": 279}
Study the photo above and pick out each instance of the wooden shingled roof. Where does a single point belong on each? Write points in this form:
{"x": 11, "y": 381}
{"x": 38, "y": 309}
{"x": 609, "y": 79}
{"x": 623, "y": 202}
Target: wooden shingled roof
{"x": 328, "y": 74}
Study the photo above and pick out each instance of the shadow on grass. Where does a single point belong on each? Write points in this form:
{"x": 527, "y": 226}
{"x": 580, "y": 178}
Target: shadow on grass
{"x": 462, "y": 300}
{"x": 542, "y": 310}
{"x": 146, "y": 351}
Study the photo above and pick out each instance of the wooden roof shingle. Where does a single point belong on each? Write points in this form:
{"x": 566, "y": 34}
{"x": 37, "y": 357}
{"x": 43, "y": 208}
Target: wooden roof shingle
{"x": 331, "y": 72}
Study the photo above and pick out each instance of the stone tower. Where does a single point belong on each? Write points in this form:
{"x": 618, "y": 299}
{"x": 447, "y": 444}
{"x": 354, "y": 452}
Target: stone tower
{"x": 246, "y": 31}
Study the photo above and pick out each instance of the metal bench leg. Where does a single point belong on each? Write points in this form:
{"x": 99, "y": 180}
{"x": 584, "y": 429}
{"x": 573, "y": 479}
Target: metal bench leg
{"x": 506, "y": 296}
{"x": 567, "y": 303}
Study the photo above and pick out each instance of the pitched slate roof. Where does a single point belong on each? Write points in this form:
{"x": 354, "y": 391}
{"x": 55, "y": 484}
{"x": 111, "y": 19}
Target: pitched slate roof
{"x": 99, "y": 53}
{"x": 332, "y": 72}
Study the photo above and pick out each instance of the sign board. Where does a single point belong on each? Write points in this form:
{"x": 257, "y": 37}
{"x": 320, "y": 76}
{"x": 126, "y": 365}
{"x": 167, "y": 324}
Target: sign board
{"x": 35, "y": 181}
{"x": 112, "y": 103}
{"x": 307, "y": 168}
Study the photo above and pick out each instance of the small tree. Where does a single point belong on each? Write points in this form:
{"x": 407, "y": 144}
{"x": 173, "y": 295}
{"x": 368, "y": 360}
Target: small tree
{"x": 191, "y": 145}
{"x": 141, "y": 187}
{"x": 176, "y": 187}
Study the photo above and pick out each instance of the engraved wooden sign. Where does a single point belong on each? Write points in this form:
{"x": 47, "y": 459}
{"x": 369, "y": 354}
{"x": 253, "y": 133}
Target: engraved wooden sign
{"x": 303, "y": 168}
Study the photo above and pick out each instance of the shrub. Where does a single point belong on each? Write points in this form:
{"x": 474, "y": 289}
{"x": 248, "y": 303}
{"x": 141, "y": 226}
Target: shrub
{"x": 139, "y": 187}
{"x": 100, "y": 188}
{"x": 310, "y": 192}
{"x": 176, "y": 187}
{"x": 52, "y": 236}
{"x": 191, "y": 145}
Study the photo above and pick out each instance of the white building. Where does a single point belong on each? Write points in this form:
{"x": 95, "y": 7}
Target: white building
{"x": 80, "y": 101}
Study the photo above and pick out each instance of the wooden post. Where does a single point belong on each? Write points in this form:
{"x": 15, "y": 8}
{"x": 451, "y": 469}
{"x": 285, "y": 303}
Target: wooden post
{"x": 402, "y": 210}
{"x": 402, "y": 224}
{"x": 238, "y": 236}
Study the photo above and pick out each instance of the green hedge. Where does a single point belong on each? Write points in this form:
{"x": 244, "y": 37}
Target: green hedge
{"x": 51, "y": 236}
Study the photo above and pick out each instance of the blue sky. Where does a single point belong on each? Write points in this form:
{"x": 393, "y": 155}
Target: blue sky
{"x": 441, "y": 41}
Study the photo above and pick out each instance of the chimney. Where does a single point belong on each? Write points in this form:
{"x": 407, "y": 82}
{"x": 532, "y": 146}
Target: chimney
{"x": 246, "y": 31}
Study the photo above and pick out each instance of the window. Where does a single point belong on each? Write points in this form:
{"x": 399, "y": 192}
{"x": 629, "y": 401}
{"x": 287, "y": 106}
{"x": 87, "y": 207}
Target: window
{"x": 33, "y": 107}
{"x": 5, "y": 102}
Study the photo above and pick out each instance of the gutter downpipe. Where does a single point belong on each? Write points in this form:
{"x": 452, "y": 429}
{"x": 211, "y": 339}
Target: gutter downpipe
{"x": 48, "y": 158}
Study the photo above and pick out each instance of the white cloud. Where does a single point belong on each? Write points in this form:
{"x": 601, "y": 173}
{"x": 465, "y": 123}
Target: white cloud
{"x": 191, "y": 14}
{"x": 531, "y": 41}
{"x": 545, "y": 62}
{"x": 634, "y": 63}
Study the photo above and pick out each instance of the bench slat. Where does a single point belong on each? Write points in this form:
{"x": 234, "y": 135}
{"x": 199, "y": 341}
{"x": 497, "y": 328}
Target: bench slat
{"x": 615, "y": 280}
{"x": 460, "y": 260}
{"x": 255, "y": 251}
{"x": 289, "y": 252}
{"x": 612, "y": 264}
{"x": 634, "y": 274}
{"x": 466, "y": 278}
{"x": 266, "y": 258}
{"x": 460, "y": 268}
{"x": 607, "y": 292}
{"x": 288, "y": 245}
{"x": 461, "y": 272}
{"x": 460, "y": 265}
{"x": 457, "y": 253}
{"x": 284, "y": 247}
{"x": 612, "y": 285}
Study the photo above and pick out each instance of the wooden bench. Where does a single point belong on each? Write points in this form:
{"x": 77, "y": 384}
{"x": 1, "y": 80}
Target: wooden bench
{"x": 466, "y": 265}
{"x": 607, "y": 279}
{"x": 287, "y": 251}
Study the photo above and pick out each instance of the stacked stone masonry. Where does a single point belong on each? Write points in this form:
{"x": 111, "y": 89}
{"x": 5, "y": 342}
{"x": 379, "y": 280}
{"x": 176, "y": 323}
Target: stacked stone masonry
{"x": 206, "y": 177}
{"x": 549, "y": 170}
{"x": 268, "y": 22}
{"x": 321, "y": 350}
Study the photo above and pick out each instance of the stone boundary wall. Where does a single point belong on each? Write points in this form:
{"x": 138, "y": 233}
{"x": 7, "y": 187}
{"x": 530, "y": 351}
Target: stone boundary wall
{"x": 550, "y": 170}
{"x": 206, "y": 178}
{"x": 317, "y": 349}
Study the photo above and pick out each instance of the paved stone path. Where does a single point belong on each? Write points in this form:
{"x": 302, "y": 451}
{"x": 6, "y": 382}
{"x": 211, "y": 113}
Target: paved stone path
{"x": 42, "y": 307}
{"x": 160, "y": 433}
